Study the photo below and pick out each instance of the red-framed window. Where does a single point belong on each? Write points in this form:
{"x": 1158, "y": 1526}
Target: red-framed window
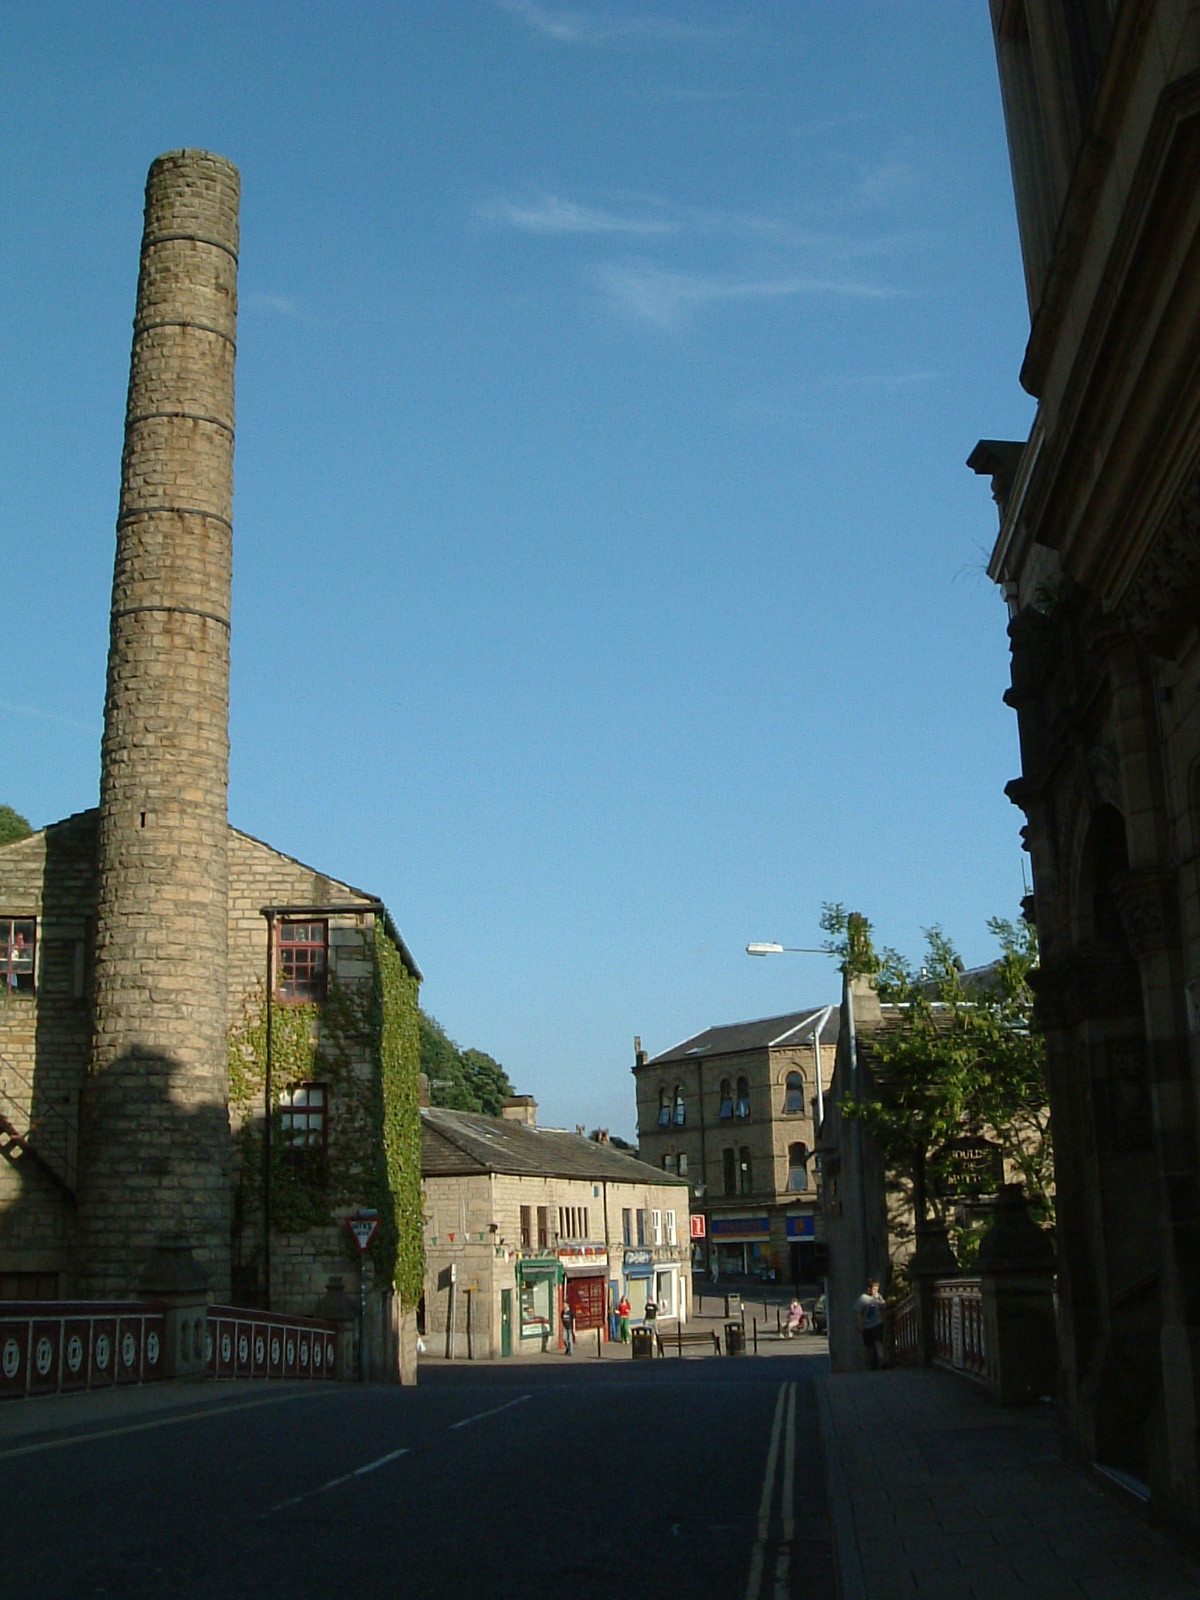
{"x": 302, "y": 960}
{"x": 18, "y": 945}
{"x": 304, "y": 1120}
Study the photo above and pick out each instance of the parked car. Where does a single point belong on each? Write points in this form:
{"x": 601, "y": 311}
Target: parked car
{"x": 819, "y": 1321}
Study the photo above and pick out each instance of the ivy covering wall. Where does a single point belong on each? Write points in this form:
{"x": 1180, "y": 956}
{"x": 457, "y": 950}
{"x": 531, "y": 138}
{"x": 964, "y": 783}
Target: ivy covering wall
{"x": 362, "y": 1042}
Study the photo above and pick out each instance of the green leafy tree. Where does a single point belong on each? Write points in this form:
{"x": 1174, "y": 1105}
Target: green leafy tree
{"x": 461, "y": 1080}
{"x": 13, "y": 826}
{"x": 959, "y": 1057}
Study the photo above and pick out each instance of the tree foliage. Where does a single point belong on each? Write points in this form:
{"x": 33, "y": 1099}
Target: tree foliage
{"x": 959, "y": 1056}
{"x": 13, "y": 826}
{"x": 461, "y": 1080}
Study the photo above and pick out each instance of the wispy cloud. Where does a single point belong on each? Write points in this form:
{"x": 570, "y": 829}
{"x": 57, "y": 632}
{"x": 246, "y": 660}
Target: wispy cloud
{"x": 668, "y": 296}
{"x": 566, "y": 25}
{"x": 886, "y": 380}
{"x": 548, "y": 213}
{"x": 49, "y": 716}
{"x": 278, "y": 305}
{"x": 886, "y": 182}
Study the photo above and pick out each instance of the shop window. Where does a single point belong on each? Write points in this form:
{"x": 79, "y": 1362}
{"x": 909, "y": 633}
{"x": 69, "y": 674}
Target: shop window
{"x": 18, "y": 936}
{"x": 664, "y": 1108}
{"x": 543, "y": 1227}
{"x": 743, "y": 1097}
{"x": 303, "y": 960}
{"x": 669, "y": 1226}
{"x": 745, "y": 1172}
{"x": 526, "y": 1227}
{"x": 793, "y": 1100}
{"x": 726, "y": 1099}
{"x": 730, "y": 1161}
{"x": 797, "y": 1166}
{"x": 626, "y": 1225}
{"x": 304, "y": 1122}
{"x": 680, "y": 1108}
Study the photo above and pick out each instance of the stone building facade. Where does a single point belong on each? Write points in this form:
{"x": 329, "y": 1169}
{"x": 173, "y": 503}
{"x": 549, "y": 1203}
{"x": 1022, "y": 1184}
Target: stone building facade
{"x": 521, "y": 1219}
{"x": 734, "y": 1110}
{"x": 1099, "y": 559}
{"x": 137, "y": 1001}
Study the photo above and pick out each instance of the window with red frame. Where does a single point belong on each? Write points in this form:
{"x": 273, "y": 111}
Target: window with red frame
{"x": 303, "y": 960}
{"x": 17, "y": 943}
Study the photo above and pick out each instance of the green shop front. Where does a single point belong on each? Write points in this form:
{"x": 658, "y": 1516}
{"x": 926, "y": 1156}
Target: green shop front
{"x": 538, "y": 1279}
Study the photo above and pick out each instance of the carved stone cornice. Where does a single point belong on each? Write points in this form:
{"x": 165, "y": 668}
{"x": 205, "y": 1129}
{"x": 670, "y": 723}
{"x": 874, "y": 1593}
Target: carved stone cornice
{"x": 1163, "y": 600}
{"x": 1092, "y": 983}
{"x": 1148, "y": 900}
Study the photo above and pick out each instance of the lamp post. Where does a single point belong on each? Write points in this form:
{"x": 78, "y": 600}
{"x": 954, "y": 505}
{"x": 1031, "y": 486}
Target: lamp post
{"x": 770, "y": 948}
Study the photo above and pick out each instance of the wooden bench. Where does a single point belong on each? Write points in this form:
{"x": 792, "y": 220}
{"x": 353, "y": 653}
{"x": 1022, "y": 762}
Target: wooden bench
{"x": 689, "y": 1339}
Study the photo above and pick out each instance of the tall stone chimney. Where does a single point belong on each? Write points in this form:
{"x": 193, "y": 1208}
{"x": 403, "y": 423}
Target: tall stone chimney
{"x": 154, "y": 1146}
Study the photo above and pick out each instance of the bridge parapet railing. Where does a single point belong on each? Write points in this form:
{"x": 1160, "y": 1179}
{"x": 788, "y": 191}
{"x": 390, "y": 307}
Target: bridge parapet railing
{"x": 51, "y": 1346}
{"x": 243, "y": 1343}
{"x": 958, "y": 1324}
{"x": 906, "y": 1332}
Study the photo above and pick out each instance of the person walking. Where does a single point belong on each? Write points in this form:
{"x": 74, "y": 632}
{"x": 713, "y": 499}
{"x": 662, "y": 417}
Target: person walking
{"x": 868, "y": 1312}
{"x": 568, "y": 1326}
{"x": 623, "y": 1319}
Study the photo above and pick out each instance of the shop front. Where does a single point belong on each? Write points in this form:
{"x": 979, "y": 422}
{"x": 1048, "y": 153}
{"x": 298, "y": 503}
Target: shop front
{"x": 637, "y": 1272}
{"x": 585, "y": 1272}
{"x": 802, "y": 1247}
{"x": 537, "y": 1295}
{"x": 741, "y": 1245}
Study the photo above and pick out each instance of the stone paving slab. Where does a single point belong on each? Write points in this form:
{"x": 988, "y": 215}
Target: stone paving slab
{"x": 935, "y": 1491}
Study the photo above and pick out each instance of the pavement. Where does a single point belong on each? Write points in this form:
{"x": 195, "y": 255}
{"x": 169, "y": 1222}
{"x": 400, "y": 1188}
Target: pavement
{"x": 937, "y": 1492}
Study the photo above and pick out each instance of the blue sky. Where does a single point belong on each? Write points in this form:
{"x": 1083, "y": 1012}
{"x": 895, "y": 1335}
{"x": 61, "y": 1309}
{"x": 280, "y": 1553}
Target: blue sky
{"x": 609, "y": 587}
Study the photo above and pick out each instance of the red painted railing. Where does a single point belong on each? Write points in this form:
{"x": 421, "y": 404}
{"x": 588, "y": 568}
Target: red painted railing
{"x": 267, "y": 1344}
{"x": 49, "y": 1346}
{"x": 958, "y": 1326}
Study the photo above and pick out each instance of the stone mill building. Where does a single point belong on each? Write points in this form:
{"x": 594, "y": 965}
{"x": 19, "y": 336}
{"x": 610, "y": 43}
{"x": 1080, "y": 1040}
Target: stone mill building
{"x": 201, "y": 1039}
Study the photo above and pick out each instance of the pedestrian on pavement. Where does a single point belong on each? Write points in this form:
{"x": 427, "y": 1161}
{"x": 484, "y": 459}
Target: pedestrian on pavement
{"x": 868, "y": 1311}
{"x": 568, "y": 1327}
{"x": 623, "y": 1319}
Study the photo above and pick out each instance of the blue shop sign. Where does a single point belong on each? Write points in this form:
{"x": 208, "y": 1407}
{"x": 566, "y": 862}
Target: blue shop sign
{"x": 801, "y": 1227}
{"x": 639, "y": 1263}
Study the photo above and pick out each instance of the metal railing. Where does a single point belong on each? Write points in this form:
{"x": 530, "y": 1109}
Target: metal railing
{"x": 265, "y": 1344}
{"x": 906, "y": 1332}
{"x": 51, "y": 1346}
{"x": 958, "y": 1338}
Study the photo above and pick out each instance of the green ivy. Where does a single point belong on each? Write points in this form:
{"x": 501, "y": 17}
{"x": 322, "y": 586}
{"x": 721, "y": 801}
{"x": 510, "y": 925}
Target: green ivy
{"x": 374, "y": 1147}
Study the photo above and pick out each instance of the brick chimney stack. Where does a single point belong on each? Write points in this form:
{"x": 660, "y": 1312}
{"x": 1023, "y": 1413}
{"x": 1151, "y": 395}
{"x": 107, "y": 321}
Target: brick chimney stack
{"x": 154, "y": 1146}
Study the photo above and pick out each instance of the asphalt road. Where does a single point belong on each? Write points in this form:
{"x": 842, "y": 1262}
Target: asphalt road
{"x": 700, "y": 1479}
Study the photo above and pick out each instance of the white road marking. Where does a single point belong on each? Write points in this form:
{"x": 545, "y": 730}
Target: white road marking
{"x": 346, "y": 1477}
{"x": 754, "y": 1581}
{"x": 495, "y": 1411}
{"x": 788, "y": 1506}
{"x": 158, "y": 1422}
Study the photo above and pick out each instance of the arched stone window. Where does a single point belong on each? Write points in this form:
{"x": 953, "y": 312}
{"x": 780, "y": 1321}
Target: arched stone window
{"x": 726, "y": 1099}
{"x": 793, "y": 1098}
{"x": 797, "y": 1167}
{"x": 743, "y": 1097}
{"x": 680, "y": 1108}
{"x": 664, "y": 1108}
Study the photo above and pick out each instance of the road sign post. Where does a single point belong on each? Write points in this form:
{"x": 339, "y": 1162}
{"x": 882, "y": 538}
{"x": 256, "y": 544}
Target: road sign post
{"x": 363, "y": 1228}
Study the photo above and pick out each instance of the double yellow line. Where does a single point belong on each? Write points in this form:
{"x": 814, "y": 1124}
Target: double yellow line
{"x": 785, "y": 1432}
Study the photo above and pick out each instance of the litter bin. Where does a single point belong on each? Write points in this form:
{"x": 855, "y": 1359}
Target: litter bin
{"x": 735, "y": 1339}
{"x": 733, "y": 1306}
{"x": 642, "y": 1343}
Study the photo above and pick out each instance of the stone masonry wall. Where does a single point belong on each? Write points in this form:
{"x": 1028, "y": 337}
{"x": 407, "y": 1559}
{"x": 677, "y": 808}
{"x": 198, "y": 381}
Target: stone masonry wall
{"x": 154, "y": 1116}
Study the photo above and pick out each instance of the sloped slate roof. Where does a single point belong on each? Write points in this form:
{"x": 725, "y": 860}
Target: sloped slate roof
{"x": 794, "y": 1027}
{"x": 458, "y": 1142}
